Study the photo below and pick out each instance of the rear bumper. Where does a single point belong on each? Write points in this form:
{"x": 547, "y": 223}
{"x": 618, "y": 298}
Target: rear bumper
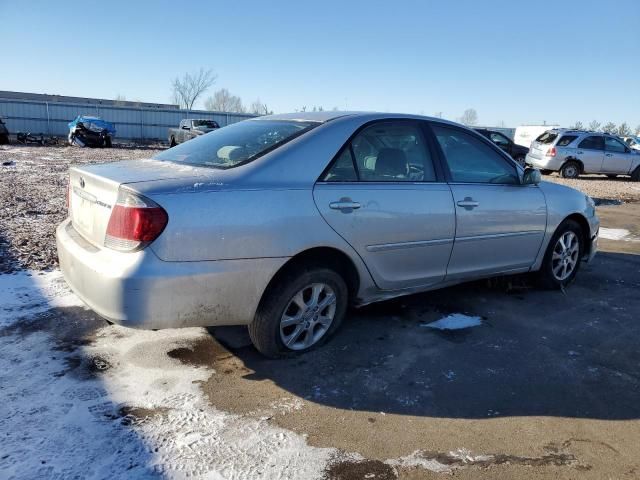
{"x": 140, "y": 290}
{"x": 544, "y": 163}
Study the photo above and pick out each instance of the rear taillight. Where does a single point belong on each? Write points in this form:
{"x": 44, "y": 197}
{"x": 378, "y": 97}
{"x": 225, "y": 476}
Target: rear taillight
{"x": 551, "y": 152}
{"x": 135, "y": 222}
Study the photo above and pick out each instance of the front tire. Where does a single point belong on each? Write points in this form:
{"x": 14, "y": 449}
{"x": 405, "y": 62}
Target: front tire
{"x": 635, "y": 176}
{"x": 299, "y": 312}
{"x": 570, "y": 170}
{"x": 172, "y": 142}
{"x": 563, "y": 256}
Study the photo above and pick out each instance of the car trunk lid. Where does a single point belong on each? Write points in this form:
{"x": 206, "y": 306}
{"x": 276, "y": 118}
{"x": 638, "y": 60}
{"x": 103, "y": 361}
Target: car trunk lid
{"x": 93, "y": 190}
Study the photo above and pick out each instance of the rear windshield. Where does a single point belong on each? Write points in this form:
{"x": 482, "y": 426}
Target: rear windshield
{"x": 566, "y": 140}
{"x": 547, "y": 137}
{"x": 236, "y": 144}
{"x": 205, "y": 123}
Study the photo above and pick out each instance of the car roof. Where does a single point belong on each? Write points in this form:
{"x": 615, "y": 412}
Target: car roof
{"x": 329, "y": 115}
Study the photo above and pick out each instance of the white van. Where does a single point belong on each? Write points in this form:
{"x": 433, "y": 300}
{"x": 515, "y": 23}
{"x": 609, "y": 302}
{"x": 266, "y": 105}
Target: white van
{"x": 525, "y": 134}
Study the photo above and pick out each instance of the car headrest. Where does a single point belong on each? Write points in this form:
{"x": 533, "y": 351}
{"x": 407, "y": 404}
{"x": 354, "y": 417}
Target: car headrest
{"x": 391, "y": 162}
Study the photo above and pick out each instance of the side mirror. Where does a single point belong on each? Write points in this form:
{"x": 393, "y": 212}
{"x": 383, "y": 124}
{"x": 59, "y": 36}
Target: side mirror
{"x": 532, "y": 176}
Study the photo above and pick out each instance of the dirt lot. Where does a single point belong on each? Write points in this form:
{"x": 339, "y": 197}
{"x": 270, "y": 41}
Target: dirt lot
{"x": 546, "y": 386}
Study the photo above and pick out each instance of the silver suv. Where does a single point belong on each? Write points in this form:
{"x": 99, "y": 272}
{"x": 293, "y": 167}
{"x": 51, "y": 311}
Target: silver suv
{"x": 572, "y": 152}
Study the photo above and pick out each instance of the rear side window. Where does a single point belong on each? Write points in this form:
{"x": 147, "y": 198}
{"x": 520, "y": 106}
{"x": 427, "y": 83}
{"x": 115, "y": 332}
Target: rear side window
{"x": 385, "y": 152}
{"x": 594, "y": 142}
{"x": 547, "y": 138}
{"x": 566, "y": 140}
{"x": 470, "y": 160}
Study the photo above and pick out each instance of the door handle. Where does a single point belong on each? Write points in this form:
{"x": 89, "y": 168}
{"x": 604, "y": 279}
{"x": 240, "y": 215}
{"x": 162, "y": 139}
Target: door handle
{"x": 608, "y": 154}
{"x": 345, "y": 204}
{"x": 468, "y": 203}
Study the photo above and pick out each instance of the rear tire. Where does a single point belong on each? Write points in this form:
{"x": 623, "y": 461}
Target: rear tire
{"x": 546, "y": 172}
{"x": 635, "y": 176}
{"x": 563, "y": 256}
{"x": 172, "y": 142}
{"x": 280, "y": 317}
{"x": 570, "y": 170}
{"x": 107, "y": 142}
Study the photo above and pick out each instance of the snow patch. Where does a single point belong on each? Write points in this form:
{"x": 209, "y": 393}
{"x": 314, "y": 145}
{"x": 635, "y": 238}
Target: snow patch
{"x": 455, "y": 321}
{"x": 30, "y": 292}
{"x": 617, "y": 234}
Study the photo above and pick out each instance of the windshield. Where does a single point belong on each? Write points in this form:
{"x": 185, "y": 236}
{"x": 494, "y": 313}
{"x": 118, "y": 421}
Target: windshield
{"x": 205, "y": 124}
{"x": 236, "y": 144}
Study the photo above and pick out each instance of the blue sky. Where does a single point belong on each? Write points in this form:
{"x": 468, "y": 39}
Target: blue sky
{"x": 514, "y": 62}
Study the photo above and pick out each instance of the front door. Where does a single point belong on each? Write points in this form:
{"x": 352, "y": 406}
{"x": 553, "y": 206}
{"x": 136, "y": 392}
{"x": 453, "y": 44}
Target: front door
{"x": 500, "y": 223}
{"x": 382, "y": 195}
{"x": 617, "y": 157}
{"x": 590, "y": 152}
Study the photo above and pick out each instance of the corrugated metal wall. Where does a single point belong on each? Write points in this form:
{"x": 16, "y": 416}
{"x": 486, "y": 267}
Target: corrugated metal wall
{"x": 131, "y": 123}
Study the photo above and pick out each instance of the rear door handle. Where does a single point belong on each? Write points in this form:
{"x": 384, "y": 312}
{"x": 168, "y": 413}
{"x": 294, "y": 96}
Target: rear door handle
{"x": 468, "y": 203}
{"x": 344, "y": 204}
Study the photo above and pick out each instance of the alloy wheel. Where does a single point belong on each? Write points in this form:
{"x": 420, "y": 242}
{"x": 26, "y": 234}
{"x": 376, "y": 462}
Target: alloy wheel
{"x": 308, "y": 316}
{"x": 565, "y": 255}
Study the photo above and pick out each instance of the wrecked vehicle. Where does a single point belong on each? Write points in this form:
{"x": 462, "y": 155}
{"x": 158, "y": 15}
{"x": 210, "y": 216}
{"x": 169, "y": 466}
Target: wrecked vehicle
{"x": 39, "y": 139}
{"x": 280, "y": 222}
{"x": 86, "y": 131}
{"x": 4, "y": 133}
{"x": 190, "y": 128}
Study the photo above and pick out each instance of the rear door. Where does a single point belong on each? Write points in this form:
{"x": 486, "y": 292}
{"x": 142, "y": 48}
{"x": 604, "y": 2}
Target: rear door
{"x": 384, "y": 195}
{"x": 590, "y": 152}
{"x": 617, "y": 156}
{"x": 500, "y": 223}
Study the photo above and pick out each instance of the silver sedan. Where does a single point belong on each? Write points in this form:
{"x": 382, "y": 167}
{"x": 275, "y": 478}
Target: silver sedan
{"x": 281, "y": 222}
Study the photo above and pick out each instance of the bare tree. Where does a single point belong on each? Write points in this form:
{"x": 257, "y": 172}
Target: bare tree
{"x": 594, "y": 126}
{"x": 624, "y": 130}
{"x": 577, "y": 126}
{"x": 223, "y": 101}
{"x": 609, "y": 128}
{"x": 259, "y": 108}
{"x": 191, "y": 86}
{"x": 469, "y": 117}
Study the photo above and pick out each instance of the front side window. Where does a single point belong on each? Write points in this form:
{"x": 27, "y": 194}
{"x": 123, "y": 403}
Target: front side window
{"x": 236, "y": 144}
{"x": 614, "y": 145}
{"x": 470, "y": 160}
{"x": 385, "y": 152}
{"x": 594, "y": 142}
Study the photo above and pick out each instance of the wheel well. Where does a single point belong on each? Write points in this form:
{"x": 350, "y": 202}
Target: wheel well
{"x": 575, "y": 160}
{"x": 584, "y": 228}
{"x": 322, "y": 257}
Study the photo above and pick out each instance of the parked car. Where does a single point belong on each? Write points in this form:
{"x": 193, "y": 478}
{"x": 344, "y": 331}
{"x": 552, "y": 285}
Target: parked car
{"x": 633, "y": 142}
{"x": 281, "y": 221}
{"x": 89, "y": 131}
{"x": 191, "y": 128}
{"x": 572, "y": 152}
{"x": 517, "y": 152}
{"x": 4, "y": 133}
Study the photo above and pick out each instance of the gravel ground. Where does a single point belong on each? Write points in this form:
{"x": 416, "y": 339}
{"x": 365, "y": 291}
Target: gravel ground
{"x": 33, "y": 196}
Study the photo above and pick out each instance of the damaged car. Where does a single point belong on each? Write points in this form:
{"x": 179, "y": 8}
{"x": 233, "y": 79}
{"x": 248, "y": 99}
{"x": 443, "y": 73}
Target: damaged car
{"x": 280, "y": 222}
{"x": 87, "y": 131}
